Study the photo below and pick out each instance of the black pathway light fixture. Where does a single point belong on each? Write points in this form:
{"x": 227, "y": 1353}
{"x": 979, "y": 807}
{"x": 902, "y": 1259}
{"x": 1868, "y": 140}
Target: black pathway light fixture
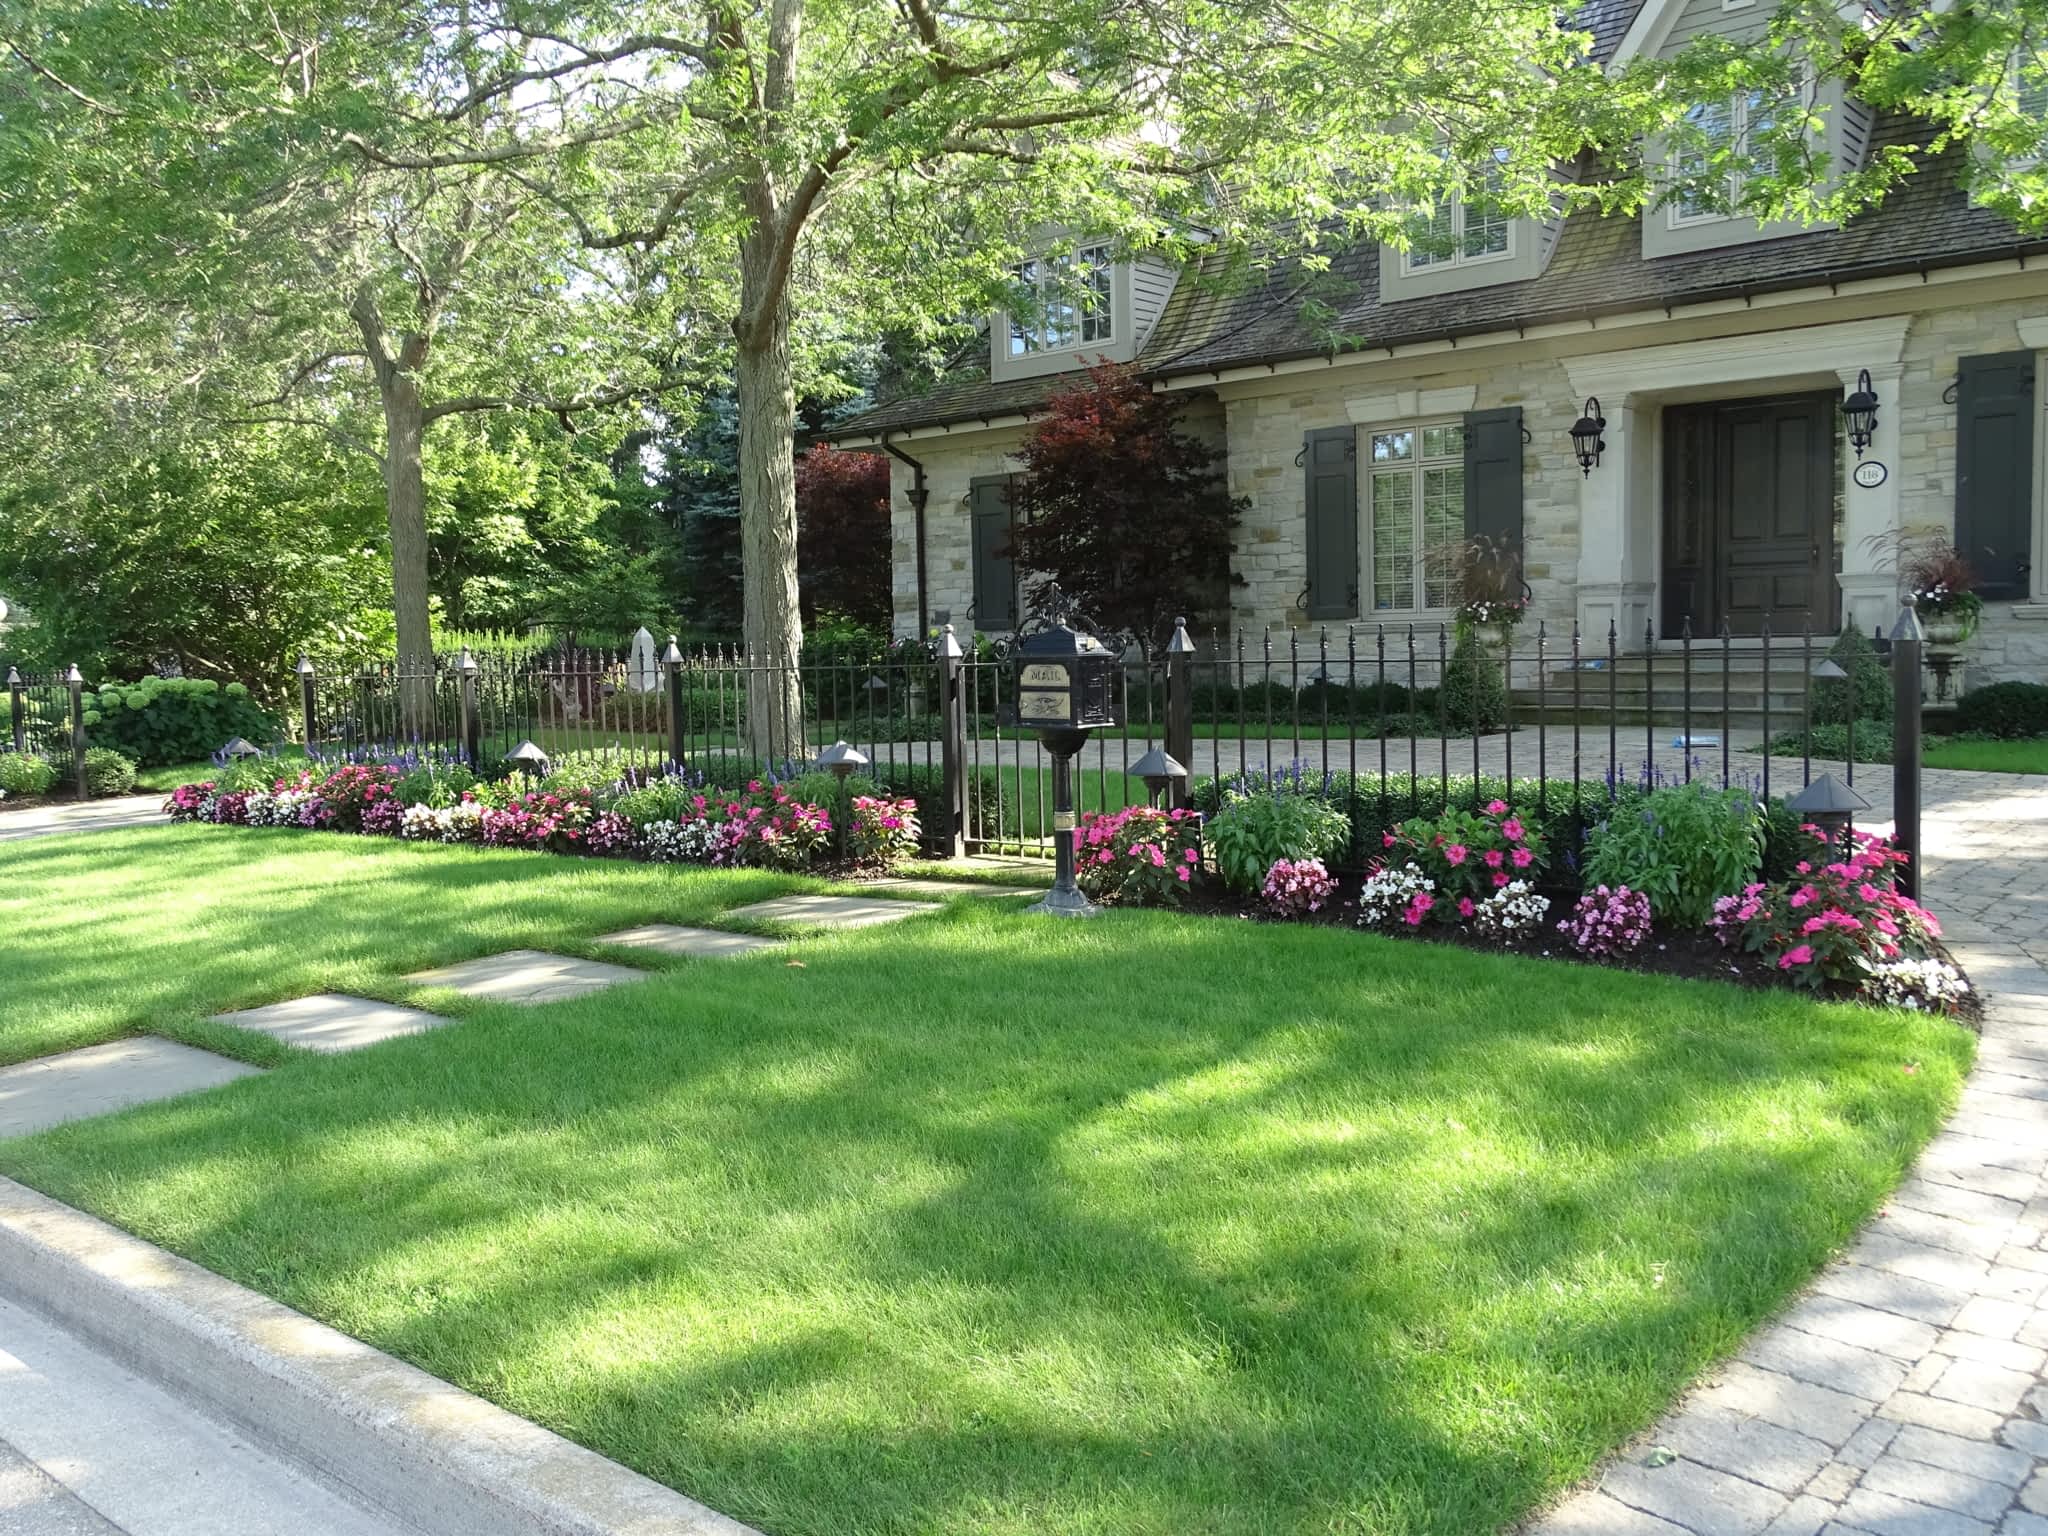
{"x": 1065, "y": 688}
{"x": 843, "y": 762}
{"x": 1829, "y": 804}
{"x": 529, "y": 760}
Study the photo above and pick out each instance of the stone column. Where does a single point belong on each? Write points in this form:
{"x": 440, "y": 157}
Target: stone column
{"x": 1869, "y": 557}
{"x": 1617, "y": 528}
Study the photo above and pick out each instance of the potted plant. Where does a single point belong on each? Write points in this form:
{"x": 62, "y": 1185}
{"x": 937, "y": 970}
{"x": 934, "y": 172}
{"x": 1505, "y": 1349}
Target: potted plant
{"x": 1492, "y": 595}
{"x": 1941, "y": 584}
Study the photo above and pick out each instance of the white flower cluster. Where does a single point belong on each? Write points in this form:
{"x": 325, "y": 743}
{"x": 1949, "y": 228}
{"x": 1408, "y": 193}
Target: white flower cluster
{"x": 669, "y": 842}
{"x": 462, "y": 822}
{"x": 1925, "y": 985}
{"x": 262, "y": 808}
{"x": 1514, "y": 908}
{"x": 1388, "y": 894}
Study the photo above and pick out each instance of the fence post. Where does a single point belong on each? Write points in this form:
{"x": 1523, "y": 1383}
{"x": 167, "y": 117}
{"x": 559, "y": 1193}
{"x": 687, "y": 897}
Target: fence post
{"x": 1906, "y": 639}
{"x": 472, "y": 720}
{"x": 952, "y": 747}
{"x": 672, "y": 666}
{"x": 75, "y": 680}
{"x": 14, "y": 708}
{"x": 1180, "y": 711}
{"x": 307, "y": 703}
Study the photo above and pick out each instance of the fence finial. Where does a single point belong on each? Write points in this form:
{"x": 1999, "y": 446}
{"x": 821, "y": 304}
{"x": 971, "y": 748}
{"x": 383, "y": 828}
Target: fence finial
{"x": 466, "y": 663}
{"x": 673, "y": 656}
{"x": 74, "y": 675}
{"x": 305, "y": 667}
{"x": 949, "y": 644}
{"x": 13, "y": 678}
{"x": 1909, "y": 626}
{"x": 1180, "y": 644}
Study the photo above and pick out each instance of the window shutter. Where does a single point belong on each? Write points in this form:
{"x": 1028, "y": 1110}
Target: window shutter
{"x": 1493, "y": 477}
{"x": 995, "y": 586}
{"x": 1995, "y": 470}
{"x": 1330, "y": 457}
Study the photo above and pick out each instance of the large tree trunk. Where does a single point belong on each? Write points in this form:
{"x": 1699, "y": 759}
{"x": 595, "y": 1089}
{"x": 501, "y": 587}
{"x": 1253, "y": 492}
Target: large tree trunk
{"x": 767, "y": 391}
{"x": 405, "y": 499}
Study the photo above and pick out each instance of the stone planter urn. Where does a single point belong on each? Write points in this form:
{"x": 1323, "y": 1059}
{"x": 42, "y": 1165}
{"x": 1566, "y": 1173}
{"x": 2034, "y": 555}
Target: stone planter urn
{"x": 1945, "y": 630}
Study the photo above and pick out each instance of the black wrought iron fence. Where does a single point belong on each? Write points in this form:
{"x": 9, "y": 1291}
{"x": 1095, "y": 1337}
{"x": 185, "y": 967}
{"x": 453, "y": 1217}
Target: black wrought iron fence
{"x": 1395, "y": 716}
{"x": 46, "y": 718}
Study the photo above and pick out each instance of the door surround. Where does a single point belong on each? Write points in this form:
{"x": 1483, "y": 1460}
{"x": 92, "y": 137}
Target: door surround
{"x": 1621, "y": 500}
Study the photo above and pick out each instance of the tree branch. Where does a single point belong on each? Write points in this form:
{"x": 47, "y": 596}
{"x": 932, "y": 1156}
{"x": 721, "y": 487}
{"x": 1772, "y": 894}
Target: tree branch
{"x": 627, "y": 48}
{"x": 300, "y": 377}
{"x": 36, "y": 67}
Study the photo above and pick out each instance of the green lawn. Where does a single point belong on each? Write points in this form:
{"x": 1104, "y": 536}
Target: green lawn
{"x": 2029, "y": 756}
{"x": 982, "y": 1225}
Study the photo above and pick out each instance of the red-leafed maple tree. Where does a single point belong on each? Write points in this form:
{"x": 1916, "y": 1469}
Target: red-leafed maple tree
{"x": 1123, "y": 508}
{"x": 842, "y": 547}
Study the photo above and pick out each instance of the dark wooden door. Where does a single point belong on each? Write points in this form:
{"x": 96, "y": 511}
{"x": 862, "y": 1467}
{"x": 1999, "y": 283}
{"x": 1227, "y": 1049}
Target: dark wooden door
{"x": 1749, "y": 514}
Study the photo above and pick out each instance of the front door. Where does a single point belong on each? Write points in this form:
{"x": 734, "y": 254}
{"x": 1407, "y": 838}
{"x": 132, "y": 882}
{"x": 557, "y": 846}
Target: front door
{"x": 1749, "y": 515}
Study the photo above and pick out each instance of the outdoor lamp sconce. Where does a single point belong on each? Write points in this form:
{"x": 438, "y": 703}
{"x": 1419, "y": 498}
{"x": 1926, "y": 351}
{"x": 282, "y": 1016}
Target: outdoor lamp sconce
{"x": 529, "y": 760}
{"x": 1160, "y": 771}
{"x": 238, "y": 748}
{"x": 1587, "y": 443}
{"x": 1859, "y": 410}
{"x": 1829, "y": 804}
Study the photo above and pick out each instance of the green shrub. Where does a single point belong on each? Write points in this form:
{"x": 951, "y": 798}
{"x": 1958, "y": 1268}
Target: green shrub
{"x": 1866, "y": 692}
{"x": 594, "y": 771}
{"x": 666, "y": 800}
{"x": 246, "y": 773}
{"x": 1831, "y": 742}
{"x": 435, "y": 784}
{"x": 1251, "y": 832}
{"x": 1473, "y": 695}
{"x": 24, "y": 775}
{"x": 2005, "y": 710}
{"x": 1681, "y": 845}
{"x": 163, "y": 720}
{"x": 107, "y": 772}
{"x": 1784, "y": 844}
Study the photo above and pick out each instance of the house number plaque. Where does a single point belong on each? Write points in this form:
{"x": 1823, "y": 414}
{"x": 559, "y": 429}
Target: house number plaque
{"x": 1870, "y": 474}
{"x": 1043, "y": 706}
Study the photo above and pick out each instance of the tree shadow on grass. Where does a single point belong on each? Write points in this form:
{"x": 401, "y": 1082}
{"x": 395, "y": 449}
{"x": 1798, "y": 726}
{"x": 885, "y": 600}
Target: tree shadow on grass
{"x": 977, "y": 1225}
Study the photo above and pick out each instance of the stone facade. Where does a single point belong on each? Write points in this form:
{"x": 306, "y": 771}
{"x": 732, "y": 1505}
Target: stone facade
{"x": 1589, "y": 540}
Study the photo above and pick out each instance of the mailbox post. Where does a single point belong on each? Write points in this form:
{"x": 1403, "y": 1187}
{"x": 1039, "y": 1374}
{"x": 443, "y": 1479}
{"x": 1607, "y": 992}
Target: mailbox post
{"x": 1066, "y": 687}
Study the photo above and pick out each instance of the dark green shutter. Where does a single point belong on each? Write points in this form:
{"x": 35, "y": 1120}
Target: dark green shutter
{"x": 1995, "y": 470}
{"x": 995, "y": 585}
{"x": 1330, "y": 457}
{"x": 1493, "y": 477}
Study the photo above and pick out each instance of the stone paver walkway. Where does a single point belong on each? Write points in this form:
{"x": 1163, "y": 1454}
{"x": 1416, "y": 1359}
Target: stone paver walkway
{"x": 673, "y": 939}
{"x": 1907, "y": 1393}
{"x": 832, "y": 911}
{"x": 527, "y": 976}
{"x": 332, "y": 1021}
{"x": 945, "y": 890}
{"x": 75, "y": 1085}
{"x": 83, "y": 816}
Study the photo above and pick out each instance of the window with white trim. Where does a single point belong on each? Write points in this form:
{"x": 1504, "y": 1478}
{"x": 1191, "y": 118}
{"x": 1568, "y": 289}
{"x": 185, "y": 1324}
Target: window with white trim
{"x": 1067, "y": 302}
{"x": 1460, "y": 233}
{"x": 1415, "y": 514}
{"x": 1718, "y": 126}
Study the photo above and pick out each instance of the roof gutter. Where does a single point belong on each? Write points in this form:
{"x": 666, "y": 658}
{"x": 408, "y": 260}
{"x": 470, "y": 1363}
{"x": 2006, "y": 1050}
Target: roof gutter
{"x": 918, "y": 495}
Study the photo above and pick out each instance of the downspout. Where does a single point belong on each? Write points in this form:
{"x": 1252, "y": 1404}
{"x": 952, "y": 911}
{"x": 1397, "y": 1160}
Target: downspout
{"x": 919, "y": 493}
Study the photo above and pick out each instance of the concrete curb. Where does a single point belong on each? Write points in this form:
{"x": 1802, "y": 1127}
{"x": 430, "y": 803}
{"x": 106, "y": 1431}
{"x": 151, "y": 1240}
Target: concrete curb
{"x": 447, "y": 1461}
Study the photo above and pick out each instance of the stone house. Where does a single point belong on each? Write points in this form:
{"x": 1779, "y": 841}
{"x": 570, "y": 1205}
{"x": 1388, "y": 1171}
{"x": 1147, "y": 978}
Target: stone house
{"x": 1718, "y": 350}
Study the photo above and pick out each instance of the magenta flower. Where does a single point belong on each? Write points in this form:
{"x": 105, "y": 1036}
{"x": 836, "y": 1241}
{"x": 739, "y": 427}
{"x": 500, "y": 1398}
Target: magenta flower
{"x": 1455, "y": 853}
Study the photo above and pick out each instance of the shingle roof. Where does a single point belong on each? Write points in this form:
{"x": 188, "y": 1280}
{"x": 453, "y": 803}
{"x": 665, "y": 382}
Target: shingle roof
{"x": 1598, "y": 267}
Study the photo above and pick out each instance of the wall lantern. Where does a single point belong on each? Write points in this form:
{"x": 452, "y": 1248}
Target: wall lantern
{"x": 1066, "y": 687}
{"x": 1587, "y": 443}
{"x": 1859, "y": 410}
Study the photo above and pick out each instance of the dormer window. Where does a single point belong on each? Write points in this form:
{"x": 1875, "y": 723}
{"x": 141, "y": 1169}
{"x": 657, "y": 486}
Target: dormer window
{"x": 1460, "y": 233}
{"x": 1715, "y": 129}
{"x": 1070, "y": 303}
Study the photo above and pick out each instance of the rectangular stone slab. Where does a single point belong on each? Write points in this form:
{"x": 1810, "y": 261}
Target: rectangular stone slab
{"x": 76, "y": 1085}
{"x": 673, "y": 939}
{"x": 332, "y": 1021}
{"x": 833, "y": 911}
{"x": 526, "y": 976}
{"x": 945, "y": 889}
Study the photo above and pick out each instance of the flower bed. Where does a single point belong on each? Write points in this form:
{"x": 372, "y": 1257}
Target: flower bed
{"x": 767, "y": 824}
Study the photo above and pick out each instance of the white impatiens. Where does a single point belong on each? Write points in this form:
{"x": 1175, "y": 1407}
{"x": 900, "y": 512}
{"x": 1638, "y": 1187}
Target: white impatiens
{"x": 1403, "y": 895}
{"x": 669, "y": 842}
{"x": 1924, "y": 984}
{"x": 462, "y": 822}
{"x": 1514, "y": 908}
